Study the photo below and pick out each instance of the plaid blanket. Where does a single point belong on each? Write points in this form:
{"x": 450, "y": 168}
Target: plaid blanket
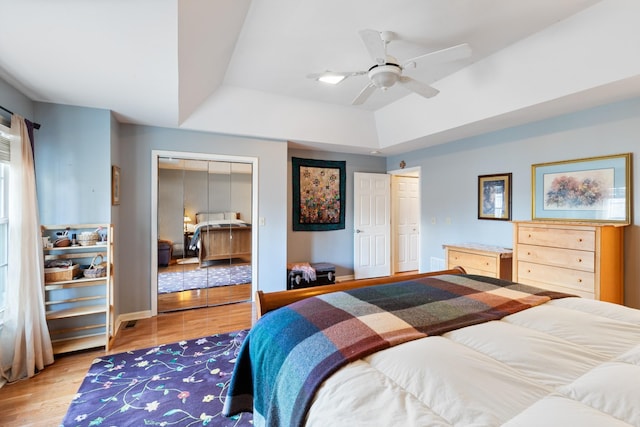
{"x": 290, "y": 351}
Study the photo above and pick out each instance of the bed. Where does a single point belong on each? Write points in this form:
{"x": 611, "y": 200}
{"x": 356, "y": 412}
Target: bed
{"x": 527, "y": 357}
{"x": 220, "y": 235}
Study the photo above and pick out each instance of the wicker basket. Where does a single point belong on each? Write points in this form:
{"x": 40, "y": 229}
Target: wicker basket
{"x": 60, "y": 274}
{"x": 96, "y": 269}
{"x": 87, "y": 238}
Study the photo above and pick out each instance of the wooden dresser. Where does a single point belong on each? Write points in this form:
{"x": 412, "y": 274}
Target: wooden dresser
{"x": 476, "y": 258}
{"x": 578, "y": 258}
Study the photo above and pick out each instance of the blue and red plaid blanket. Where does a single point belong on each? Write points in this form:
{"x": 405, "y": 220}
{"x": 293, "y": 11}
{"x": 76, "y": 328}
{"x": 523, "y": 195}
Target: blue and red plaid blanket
{"x": 290, "y": 351}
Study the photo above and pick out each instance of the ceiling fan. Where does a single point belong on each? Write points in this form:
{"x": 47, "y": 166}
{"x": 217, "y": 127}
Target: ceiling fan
{"x": 387, "y": 70}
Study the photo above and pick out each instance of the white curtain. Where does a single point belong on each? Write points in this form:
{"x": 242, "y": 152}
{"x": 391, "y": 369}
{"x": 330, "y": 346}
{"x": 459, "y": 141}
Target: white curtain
{"x": 25, "y": 345}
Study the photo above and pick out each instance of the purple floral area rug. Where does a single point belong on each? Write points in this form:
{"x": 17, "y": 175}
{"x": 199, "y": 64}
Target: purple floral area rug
{"x": 179, "y": 384}
{"x": 202, "y": 278}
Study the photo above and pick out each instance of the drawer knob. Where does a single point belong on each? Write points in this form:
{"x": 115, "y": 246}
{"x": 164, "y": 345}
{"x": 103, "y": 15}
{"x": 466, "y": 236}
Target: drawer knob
{"x": 529, "y": 236}
{"x": 579, "y": 259}
{"x": 580, "y": 240}
{"x": 579, "y": 280}
{"x": 528, "y": 253}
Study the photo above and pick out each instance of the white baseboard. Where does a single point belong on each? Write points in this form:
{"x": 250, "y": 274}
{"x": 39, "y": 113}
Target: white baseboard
{"x": 125, "y": 317}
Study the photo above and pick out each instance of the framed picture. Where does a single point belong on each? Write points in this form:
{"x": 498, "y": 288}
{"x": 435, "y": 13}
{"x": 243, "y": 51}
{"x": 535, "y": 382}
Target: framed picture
{"x": 494, "y": 197}
{"x": 318, "y": 194}
{"x": 595, "y": 189}
{"x": 115, "y": 185}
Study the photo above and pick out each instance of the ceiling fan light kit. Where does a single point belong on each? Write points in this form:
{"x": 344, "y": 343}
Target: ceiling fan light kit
{"x": 386, "y": 71}
{"x": 331, "y": 78}
{"x": 385, "y": 76}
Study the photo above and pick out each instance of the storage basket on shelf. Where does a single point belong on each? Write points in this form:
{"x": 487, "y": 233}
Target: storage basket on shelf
{"x": 88, "y": 238}
{"x": 60, "y": 274}
{"x": 96, "y": 269}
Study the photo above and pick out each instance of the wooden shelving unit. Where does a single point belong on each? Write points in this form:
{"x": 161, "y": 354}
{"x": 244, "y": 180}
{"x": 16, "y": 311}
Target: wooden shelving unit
{"x": 80, "y": 309}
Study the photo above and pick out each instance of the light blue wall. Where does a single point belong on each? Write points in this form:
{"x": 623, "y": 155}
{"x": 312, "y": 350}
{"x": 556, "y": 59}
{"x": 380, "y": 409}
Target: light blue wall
{"x": 73, "y": 164}
{"x": 336, "y": 246}
{"x": 136, "y": 146}
{"x": 449, "y": 177}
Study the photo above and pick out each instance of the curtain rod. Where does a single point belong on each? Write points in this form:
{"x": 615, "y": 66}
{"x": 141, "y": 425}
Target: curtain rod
{"x": 35, "y": 125}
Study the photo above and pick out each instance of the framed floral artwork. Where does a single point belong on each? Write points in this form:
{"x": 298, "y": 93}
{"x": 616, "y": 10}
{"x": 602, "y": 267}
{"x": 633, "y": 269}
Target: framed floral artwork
{"x": 318, "y": 194}
{"x": 595, "y": 189}
{"x": 494, "y": 196}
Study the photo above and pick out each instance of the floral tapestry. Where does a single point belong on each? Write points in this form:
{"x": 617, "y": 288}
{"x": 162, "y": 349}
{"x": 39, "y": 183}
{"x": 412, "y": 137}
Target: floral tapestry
{"x": 318, "y": 194}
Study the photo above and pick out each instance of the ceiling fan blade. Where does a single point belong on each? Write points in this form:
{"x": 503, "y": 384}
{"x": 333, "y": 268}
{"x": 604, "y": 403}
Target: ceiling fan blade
{"x": 336, "y": 73}
{"x": 329, "y": 74}
{"x": 375, "y": 45}
{"x": 452, "y": 53}
{"x": 364, "y": 94}
{"x": 420, "y": 88}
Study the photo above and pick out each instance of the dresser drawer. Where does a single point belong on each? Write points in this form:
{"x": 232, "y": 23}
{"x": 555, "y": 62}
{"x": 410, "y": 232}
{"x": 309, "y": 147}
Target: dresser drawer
{"x": 558, "y": 276}
{"x": 567, "y": 258}
{"x": 558, "y": 237}
{"x": 473, "y": 263}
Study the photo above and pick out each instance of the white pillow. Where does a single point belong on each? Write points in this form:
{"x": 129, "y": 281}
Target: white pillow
{"x": 230, "y": 215}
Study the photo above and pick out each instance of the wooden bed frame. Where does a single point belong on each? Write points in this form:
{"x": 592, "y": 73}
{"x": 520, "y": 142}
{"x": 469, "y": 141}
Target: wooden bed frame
{"x": 224, "y": 242}
{"x": 266, "y": 302}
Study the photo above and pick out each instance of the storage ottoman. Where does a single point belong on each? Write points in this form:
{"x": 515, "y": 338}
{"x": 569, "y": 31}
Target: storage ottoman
{"x": 325, "y": 275}
{"x": 165, "y": 247}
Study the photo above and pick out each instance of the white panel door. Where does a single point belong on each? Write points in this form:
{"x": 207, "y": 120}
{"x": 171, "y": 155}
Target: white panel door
{"x": 406, "y": 213}
{"x": 372, "y": 225}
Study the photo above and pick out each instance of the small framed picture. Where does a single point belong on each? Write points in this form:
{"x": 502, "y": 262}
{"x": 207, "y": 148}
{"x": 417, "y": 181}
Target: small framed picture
{"x": 494, "y": 197}
{"x": 115, "y": 185}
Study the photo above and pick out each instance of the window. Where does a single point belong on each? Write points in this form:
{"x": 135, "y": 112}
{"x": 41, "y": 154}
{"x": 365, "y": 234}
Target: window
{"x": 4, "y": 217}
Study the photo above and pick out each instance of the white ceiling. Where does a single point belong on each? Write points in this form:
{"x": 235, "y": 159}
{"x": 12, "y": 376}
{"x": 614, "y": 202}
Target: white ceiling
{"x": 239, "y": 67}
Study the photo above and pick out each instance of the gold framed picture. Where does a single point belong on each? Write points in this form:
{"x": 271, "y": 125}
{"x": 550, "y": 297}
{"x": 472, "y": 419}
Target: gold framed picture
{"x": 115, "y": 185}
{"x": 594, "y": 189}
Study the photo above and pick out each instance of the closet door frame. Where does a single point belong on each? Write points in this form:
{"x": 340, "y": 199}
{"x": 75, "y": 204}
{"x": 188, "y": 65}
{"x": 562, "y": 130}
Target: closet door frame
{"x": 155, "y": 155}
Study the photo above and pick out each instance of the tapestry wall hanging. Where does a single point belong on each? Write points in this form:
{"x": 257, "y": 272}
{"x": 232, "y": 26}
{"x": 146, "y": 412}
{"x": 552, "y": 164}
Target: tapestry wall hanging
{"x": 318, "y": 194}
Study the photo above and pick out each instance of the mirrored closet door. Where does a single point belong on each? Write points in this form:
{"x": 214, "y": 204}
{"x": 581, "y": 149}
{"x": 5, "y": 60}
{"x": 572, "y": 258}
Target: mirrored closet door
{"x": 204, "y": 212}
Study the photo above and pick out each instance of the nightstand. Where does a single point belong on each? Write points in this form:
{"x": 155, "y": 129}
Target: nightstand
{"x": 187, "y": 241}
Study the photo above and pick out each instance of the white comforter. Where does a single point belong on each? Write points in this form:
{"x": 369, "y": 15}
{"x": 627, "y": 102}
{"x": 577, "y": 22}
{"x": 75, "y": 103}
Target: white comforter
{"x": 570, "y": 362}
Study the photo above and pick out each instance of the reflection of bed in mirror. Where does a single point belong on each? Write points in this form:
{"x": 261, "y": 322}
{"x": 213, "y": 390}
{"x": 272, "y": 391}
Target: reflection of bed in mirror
{"x": 221, "y": 235}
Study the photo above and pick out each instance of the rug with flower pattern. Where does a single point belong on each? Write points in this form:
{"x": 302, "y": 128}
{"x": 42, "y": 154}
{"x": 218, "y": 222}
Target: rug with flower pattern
{"x": 179, "y": 384}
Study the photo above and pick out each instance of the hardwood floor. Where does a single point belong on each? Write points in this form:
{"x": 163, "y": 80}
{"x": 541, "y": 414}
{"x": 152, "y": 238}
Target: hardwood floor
{"x": 42, "y": 401}
{"x": 203, "y": 297}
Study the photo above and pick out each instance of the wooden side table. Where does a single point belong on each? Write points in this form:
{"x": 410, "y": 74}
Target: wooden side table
{"x": 187, "y": 240}
{"x": 477, "y": 258}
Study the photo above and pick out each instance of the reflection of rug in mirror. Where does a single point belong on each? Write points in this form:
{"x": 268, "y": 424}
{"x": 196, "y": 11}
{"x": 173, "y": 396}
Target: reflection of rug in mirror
{"x": 192, "y": 260}
{"x": 202, "y": 278}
